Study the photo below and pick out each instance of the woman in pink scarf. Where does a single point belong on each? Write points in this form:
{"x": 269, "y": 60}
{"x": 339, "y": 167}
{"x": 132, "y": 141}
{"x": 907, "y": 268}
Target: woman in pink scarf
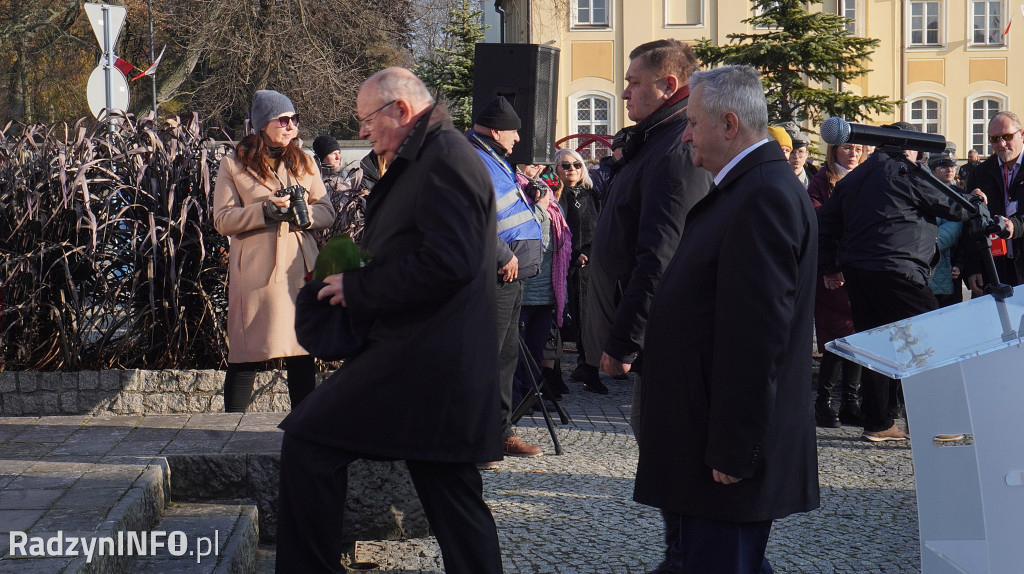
{"x": 544, "y": 295}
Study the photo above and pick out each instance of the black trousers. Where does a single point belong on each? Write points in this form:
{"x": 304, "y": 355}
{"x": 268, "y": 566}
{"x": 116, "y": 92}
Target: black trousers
{"x": 509, "y": 300}
{"x": 536, "y": 322}
{"x": 240, "y": 377}
{"x": 314, "y": 483}
{"x": 717, "y": 547}
{"x": 878, "y": 298}
{"x": 579, "y": 279}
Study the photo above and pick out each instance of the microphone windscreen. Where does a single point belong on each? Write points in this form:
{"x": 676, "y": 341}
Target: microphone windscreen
{"x": 835, "y": 131}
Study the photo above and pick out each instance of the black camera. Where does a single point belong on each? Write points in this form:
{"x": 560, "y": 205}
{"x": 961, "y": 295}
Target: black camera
{"x": 536, "y": 189}
{"x": 299, "y": 208}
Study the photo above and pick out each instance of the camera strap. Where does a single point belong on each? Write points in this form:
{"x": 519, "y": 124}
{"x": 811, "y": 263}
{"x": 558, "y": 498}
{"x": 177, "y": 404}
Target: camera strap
{"x": 278, "y": 178}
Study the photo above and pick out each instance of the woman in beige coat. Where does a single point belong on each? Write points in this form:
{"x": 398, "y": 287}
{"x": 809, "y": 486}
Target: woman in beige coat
{"x": 269, "y": 254}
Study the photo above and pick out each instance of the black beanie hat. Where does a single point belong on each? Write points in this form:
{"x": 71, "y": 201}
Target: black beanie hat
{"x": 498, "y": 115}
{"x": 324, "y": 145}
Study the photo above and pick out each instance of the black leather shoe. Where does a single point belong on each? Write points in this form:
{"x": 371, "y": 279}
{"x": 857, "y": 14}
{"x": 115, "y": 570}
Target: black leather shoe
{"x": 850, "y": 414}
{"x": 580, "y": 372}
{"x": 593, "y": 384}
{"x": 825, "y": 417}
{"x": 555, "y": 382}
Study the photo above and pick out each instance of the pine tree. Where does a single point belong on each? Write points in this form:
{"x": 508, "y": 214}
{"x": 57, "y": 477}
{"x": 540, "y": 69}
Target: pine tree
{"x": 450, "y": 74}
{"x": 798, "y": 48}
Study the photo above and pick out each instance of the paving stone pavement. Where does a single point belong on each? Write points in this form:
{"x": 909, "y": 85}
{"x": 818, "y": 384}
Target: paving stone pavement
{"x": 574, "y": 513}
{"x": 571, "y": 513}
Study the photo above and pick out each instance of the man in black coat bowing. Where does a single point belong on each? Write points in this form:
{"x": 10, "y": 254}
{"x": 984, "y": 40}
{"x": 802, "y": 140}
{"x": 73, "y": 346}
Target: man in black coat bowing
{"x": 424, "y": 387}
{"x": 727, "y": 438}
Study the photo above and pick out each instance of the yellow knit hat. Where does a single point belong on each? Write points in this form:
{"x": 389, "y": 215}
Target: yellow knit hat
{"x": 781, "y": 136}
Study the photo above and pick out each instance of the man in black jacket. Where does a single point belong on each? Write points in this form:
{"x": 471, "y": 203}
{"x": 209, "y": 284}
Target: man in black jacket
{"x": 878, "y": 236}
{"x": 651, "y": 190}
{"x": 1001, "y": 179}
{"x": 424, "y": 387}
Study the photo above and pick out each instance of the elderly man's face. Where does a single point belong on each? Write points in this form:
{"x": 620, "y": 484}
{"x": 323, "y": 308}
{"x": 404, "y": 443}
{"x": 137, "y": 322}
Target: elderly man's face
{"x": 380, "y": 125}
{"x": 706, "y": 135}
{"x": 507, "y": 139}
{"x": 644, "y": 91}
{"x": 1001, "y": 128}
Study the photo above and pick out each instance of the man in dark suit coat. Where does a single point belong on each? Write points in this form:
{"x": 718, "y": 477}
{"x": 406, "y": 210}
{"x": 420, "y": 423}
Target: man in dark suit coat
{"x": 651, "y": 190}
{"x": 991, "y": 177}
{"x": 727, "y": 439}
{"x": 424, "y": 388}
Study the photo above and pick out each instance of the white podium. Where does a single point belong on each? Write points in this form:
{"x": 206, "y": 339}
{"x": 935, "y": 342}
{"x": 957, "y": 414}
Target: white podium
{"x": 963, "y": 372}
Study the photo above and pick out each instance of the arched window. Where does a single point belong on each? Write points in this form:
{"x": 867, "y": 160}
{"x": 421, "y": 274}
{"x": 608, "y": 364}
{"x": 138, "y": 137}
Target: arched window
{"x": 981, "y": 110}
{"x": 591, "y": 114}
{"x": 926, "y": 114}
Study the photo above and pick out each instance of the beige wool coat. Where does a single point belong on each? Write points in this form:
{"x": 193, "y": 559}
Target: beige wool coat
{"x": 267, "y": 262}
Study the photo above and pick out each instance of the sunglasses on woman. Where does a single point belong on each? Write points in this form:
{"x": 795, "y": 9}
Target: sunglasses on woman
{"x": 283, "y": 121}
{"x": 574, "y": 165}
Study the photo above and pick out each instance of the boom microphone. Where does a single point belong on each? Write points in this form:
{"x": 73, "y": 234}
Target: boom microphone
{"x": 837, "y": 131}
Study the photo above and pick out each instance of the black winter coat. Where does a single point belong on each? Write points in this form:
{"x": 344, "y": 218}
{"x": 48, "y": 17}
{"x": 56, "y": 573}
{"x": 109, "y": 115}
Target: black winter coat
{"x": 988, "y": 177}
{"x": 425, "y": 386}
{"x": 654, "y": 187}
{"x": 727, "y": 367}
{"x": 879, "y": 219}
{"x": 581, "y": 207}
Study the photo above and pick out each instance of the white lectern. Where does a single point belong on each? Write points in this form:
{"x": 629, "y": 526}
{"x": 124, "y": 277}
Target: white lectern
{"x": 963, "y": 372}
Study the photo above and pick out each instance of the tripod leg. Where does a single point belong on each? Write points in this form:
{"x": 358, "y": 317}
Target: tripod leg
{"x": 537, "y": 395}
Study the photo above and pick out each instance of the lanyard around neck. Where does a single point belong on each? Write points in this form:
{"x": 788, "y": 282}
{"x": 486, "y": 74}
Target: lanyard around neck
{"x": 501, "y": 161}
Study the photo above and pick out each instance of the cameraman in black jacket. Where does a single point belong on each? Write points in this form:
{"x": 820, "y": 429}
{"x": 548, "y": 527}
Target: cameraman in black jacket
{"x": 878, "y": 236}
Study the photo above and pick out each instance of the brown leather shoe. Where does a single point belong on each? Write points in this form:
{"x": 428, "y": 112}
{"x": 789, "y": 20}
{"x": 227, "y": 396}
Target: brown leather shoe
{"x": 892, "y": 433}
{"x": 491, "y": 465}
{"x": 516, "y": 447}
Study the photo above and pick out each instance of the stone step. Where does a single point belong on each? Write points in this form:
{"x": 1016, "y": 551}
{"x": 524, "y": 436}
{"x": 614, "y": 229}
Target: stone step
{"x": 92, "y": 503}
{"x": 381, "y": 504}
{"x": 205, "y": 538}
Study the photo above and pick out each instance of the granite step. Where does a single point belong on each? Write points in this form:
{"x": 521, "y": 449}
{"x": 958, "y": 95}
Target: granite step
{"x": 91, "y": 503}
{"x": 205, "y": 538}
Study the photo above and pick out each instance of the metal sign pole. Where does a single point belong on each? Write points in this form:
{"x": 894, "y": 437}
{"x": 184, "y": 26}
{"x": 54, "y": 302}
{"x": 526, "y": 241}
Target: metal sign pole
{"x": 152, "y": 54}
{"x": 107, "y": 88}
{"x": 108, "y": 56}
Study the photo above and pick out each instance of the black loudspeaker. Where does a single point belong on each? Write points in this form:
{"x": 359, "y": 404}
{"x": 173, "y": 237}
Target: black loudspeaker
{"x": 527, "y": 75}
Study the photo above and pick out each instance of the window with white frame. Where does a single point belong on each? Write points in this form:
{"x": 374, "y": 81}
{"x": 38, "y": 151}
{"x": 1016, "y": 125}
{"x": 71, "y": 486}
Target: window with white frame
{"x": 593, "y": 116}
{"x": 925, "y": 22}
{"x": 926, "y": 114}
{"x": 684, "y": 12}
{"x": 848, "y": 9}
{"x": 591, "y": 13}
{"x": 982, "y": 110}
{"x": 987, "y": 23}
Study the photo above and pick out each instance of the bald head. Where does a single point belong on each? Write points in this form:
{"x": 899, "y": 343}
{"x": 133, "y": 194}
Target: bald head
{"x": 388, "y": 104}
{"x": 399, "y": 84}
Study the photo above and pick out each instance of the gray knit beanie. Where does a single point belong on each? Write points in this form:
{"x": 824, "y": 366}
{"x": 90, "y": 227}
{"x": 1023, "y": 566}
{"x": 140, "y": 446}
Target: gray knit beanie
{"x": 267, "y": 105}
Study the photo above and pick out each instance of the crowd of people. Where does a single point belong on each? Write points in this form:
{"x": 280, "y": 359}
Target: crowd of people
{"x": 695, "y": 262}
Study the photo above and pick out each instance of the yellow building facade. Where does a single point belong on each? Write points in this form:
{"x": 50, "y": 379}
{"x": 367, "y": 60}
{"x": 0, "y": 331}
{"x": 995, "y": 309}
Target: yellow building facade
{"x": 947, "y": 59}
